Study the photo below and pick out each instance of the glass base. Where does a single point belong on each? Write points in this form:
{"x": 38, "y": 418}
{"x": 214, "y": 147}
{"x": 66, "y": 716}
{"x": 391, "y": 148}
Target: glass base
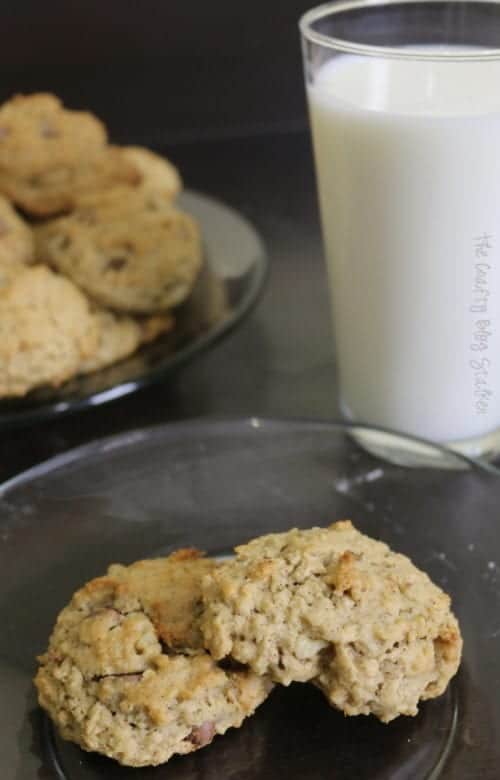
{"x": 486, "y": 447}
{"x": 413, "y": 452}
{"x": 410, "y": 453}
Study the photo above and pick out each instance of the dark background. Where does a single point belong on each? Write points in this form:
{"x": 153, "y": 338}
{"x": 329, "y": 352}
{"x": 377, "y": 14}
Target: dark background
{"x": 161, "y": 71}
{"x": 218, "y": 87}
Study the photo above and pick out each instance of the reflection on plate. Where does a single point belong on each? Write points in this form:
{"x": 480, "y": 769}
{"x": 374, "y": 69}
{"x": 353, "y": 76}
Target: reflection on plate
{"x": 213, "y": 485}
{"x": 229, "y": 284}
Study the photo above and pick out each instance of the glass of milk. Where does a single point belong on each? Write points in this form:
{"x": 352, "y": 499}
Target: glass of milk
{"x": 404, "y": 101}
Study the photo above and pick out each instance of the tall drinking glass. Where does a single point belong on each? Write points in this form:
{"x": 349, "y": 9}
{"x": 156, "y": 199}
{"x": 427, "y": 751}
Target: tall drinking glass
{"x": 404, "y": 101}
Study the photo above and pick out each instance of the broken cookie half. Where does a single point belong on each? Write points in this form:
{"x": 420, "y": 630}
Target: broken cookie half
{"x": 125, "y": 673}
{"x": 337, "y": 608}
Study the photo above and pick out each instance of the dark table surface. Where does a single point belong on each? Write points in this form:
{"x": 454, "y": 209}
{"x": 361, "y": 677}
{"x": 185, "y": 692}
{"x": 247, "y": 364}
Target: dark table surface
{"x": 279, "y": 362}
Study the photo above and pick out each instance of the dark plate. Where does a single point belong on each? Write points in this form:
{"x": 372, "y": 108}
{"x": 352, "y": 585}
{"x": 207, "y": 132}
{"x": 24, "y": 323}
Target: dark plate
{"x": 232, "y": 277}
{"x": 216, "y": 484}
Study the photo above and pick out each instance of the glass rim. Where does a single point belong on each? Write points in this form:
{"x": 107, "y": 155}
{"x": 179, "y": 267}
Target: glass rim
{"x": 308, "y": 19}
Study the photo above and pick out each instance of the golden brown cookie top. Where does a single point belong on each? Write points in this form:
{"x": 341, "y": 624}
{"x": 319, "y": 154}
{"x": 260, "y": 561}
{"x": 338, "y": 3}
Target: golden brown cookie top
{"x": 154, "y": 326}
{"x": 119, "y": 676}
{"x": 17, "y": 243}
{"x": 49, "y": 155}
{"x": 46, "y": 329}
{"x": 129, "y": 249}
{"x": 115, "y": 204}
{"x": 157, "y": 173}
{"x": 295, "y": 604}
{"x": 38, "y": 134}
{"x": 170, "y": 591}
{"x": 119, "y": 335}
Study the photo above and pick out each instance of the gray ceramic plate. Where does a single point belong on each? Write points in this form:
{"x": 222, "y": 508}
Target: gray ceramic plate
{"x": 232, "y": 277}
{"x": 213, "y": 485}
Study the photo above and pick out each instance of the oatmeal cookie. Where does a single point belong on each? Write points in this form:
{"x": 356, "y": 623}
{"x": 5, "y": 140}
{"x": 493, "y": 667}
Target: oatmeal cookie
{"x": 8, "y": 271}
{"x": 46, "y": 330}
{"x": 48, "y": 154}
{"x": 155, "y": 325}
{"x": 157, "y": 173}
{"x": 128, "y": 249}
{"x": 119, "y": 335}
{"x": 17, "y": 244}
{"x": 334, "y": 606}
{"x": 125, "y": 673}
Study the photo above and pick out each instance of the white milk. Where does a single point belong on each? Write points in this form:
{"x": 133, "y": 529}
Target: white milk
{"x": 408, "y": 164}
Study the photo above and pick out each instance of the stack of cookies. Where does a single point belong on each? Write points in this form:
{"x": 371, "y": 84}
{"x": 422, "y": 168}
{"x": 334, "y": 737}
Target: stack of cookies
{"x": 157, "y": 658}
{"x": 93, "y": 254}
